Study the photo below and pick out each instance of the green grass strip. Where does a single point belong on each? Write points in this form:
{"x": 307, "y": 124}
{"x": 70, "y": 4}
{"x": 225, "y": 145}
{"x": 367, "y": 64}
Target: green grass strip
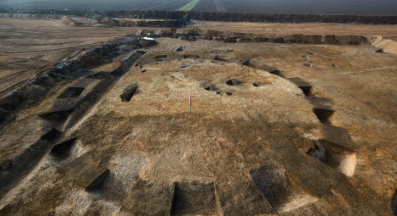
{"x": 189, "y": 6}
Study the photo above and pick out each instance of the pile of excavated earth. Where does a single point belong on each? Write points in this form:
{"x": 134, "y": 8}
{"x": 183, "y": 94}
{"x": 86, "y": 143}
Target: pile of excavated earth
{"x": 188, "y": 124}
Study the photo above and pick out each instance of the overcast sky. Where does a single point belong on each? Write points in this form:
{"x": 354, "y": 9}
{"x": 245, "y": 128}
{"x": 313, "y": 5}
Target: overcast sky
{"x": 356, "y": 7}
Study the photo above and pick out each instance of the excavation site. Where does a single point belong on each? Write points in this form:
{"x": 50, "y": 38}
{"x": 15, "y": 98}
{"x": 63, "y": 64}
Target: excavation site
{"x": 197, "y": 113}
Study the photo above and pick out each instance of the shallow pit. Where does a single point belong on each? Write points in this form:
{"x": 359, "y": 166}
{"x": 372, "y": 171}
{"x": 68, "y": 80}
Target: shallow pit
{"x": 160, "y": 57}
{"x": 308, "y": 91}
{"x": 71, "y": 92}
{"x": 219, "y": 58}
{"x": 97, "y": 184}
{"x": 51, "y": 135}
{"x": 336, "y": 156}
{"x": 211, "y": 87}
{"x": 282, "y": 192}
{"x": 191, "y": 56}
{"x": 194, "y": 199}
{"x": 63, "y": 150}
{"x": 324, "y": 115}
{"x": 56, "y": 115}
{"x": 233, "y": 82}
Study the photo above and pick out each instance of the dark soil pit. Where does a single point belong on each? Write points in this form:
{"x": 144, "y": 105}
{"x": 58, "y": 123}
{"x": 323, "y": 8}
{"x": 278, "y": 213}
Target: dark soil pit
{"x": 191, "y": 56}
{"x": 97, "y": 184}
{"x": 180, "y": 49}
{"x": 144, "y": 71}
{"x": 278, "y": 73}
{"x": 194, "y": 199}
{"x": 324, "y": 115}
{"x": 212, "y": 87}
{"x": 233, "y": 82}
{"x": 218, "y": 92}
{"x": 4, "y": 115}
{"x": 71, "y": 92}
{"x": 246, "y": 63}
{"x": 257, "y": 84}
{"x": 219, "y": 58}
{"x": 63, "y": 150}
{"x": 100, "y": 75}
{"x": 160, "y": 57}
{"x": 229, "y": 93}
{"x": 56, "y": 115}
{"x": 51, "y": 135}
{"x": 308, "y": 91}
{"x": 128, "y": 92}
{"x": 5, "y": 166}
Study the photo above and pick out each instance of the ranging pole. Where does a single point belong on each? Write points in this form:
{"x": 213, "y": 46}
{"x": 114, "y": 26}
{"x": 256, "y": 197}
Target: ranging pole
{"x": 190, "y": 100}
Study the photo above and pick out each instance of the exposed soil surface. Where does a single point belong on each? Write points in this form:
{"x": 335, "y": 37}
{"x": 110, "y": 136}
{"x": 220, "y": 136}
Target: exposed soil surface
{"x": 31, "y": 46}
{"x": 266, "y": 135}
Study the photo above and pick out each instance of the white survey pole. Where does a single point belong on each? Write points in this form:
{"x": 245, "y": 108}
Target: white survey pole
{"x": 190, "y": 100}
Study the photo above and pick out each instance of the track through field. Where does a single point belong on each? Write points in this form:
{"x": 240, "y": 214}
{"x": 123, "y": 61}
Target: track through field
{"x": 189, "y": 6}
{"x": 209, "y": 6}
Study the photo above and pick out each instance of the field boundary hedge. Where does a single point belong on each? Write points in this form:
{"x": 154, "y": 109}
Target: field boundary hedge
{"x": 249, "y": 17}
